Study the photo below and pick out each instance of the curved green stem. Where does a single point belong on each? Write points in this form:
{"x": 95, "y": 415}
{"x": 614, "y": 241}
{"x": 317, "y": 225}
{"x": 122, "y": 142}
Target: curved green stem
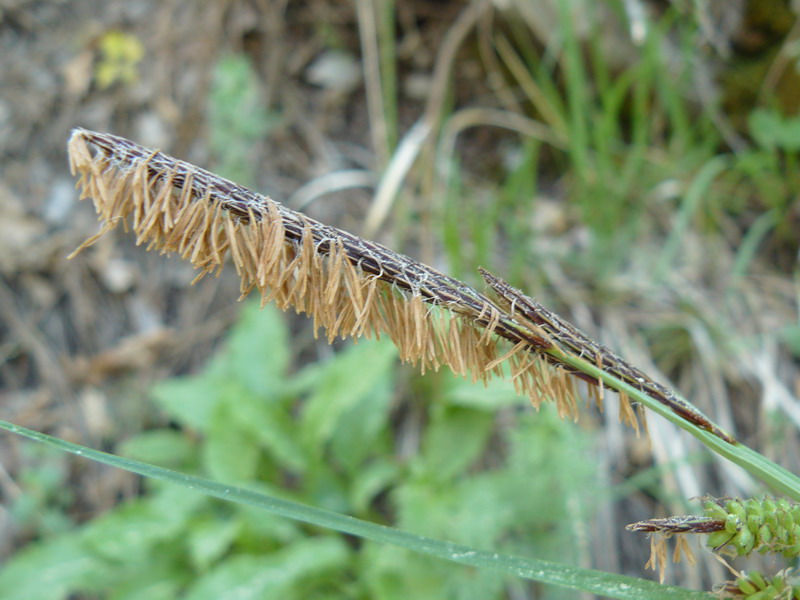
{"x": 756, "y": 464}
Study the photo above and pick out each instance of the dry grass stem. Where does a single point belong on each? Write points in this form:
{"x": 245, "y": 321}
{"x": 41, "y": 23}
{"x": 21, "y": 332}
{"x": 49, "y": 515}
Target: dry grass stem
{"x": 351, "y": 287}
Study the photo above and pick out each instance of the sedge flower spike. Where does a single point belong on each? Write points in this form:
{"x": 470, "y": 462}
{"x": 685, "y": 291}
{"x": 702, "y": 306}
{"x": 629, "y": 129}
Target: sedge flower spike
{"x": 734, "y": 527}
{"x": 350, "y": 286}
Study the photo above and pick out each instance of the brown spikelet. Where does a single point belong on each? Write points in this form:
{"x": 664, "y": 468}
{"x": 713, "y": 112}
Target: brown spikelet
{"x": 571, "y": 340}
{"x": 661, "y": 530}
{"x": 351, "y": 287}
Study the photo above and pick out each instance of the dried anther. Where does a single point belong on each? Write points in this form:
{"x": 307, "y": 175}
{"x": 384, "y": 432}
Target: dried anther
{"x": 662, "y": 530}
{"x": 350, "y": 286}
{"x": 572, "y": 340}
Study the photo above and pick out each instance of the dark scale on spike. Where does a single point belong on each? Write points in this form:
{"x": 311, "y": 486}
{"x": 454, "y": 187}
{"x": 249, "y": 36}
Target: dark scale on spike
{"x": 350, "y": 286}
{"x": 574, "y": 341}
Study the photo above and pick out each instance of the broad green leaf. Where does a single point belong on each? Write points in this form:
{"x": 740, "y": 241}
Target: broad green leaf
{"x": 238, "y": 119}
{"x": 791, "y": 338}
{"x": 496, "y": 394}
{"x": 271, "y": 424}
{"x": 469, "y": 513}
{"x": 209, "y": 539}
{"x": 189, "y": 400}
{"x": 476, "y": 585}
{"x": 253, "y": 577}
{"x": 258, "y": 350}
{"x": 360, "y": 427}
{"x": 392, "y": 573}
{"x": 349, "y": 378}
{"x": 49, "y": 570}
{"x": 230, "y": 453}
{"x": 160, "y": 446}
{"x": 255, "y": 358}
{"x": 326, "y": 487}
{"x": 304, "y": 380}
{"x": 772, "y": 130}
{"x": 159, "y": 579}
{"x": 131, "y": 532}
{"x": 256, "y": 525}
{"x": 454, "y": 439}
{"x": 370, "y": 480}
{"x": 153, "y": 583}
{"x": 559, "y": 454}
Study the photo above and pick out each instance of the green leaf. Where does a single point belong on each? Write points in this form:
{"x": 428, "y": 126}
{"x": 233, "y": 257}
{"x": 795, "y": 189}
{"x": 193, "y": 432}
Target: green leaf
{"x": 258, "y": 350}
{"x": 392, "y": 573}
{"x": 263, "y": 577}
{"x": 496, "y": 394}
{"x": 357, "y": 435}
{"x": 160, "y": 579}
{"x": 256, "y": 525}
{"x": 131, "y": 532}
{"x": 48, "y": 571}
{"x": 423, "y": 505}
{"x": 454, "y": 439}
{"x": 589, "y": 580}
{"x": 326, "y": 487}
{"x": 790, "y": 336}
{"x": 238, "y": 119}
{"x": 161, "y": 446}
{"x": 348, "y": 379}
{"x": 370, "y": 480}
{"x": 156, "y": 582}
{"x": 209, "y": 539}
{"x": 230, "y": 453}
{"x": 772, "y": 130}
{"x": 189, "y": 400}
{"x": 273, "y": 427}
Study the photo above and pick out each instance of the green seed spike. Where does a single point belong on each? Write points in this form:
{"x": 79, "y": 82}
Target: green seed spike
{"x": 765, "y": 525}
{"x": 754, "y": 586}
{"x": 735, "y": 527}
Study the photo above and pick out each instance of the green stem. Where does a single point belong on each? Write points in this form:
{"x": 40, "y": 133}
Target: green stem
{"x": 757, "y": 465}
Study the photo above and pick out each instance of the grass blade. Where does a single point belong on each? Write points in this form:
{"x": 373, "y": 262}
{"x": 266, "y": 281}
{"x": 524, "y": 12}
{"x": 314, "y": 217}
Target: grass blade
{"x": 589, "y": 580}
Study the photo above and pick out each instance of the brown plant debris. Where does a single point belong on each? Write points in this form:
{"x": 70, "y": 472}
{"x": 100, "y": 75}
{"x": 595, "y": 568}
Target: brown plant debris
{"x": 348, "y": 285}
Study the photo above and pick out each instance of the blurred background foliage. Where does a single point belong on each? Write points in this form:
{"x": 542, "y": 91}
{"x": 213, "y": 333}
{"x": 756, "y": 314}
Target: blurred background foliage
{"x": 632, "y": 164}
